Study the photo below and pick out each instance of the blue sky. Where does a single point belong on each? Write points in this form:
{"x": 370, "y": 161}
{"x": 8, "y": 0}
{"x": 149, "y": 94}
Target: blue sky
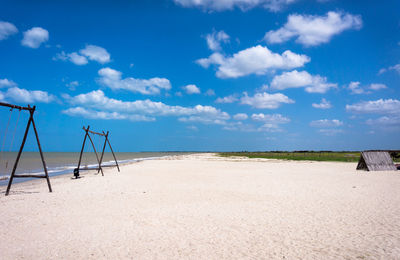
{"x": 205, "y": 75}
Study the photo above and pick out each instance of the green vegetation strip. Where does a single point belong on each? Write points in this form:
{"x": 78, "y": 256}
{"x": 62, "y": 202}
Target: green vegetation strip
{"x": 300, "y": 156}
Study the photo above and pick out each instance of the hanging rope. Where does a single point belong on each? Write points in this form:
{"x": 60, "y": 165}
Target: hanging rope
{"x": 13, "y": 136}
{"x": 99, "y": 144}
{"x": 15, "y": 129}
{"x": 5, "y": 133}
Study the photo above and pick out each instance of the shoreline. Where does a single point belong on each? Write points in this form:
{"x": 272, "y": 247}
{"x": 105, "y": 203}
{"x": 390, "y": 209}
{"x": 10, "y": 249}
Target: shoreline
{"x": 68, "y": 169}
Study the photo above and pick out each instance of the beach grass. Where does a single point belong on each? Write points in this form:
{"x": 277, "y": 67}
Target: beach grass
{"x": 301, "y": 155}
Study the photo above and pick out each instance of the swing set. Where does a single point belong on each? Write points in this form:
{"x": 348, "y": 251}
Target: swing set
{"x": 31, "y": 121}
{"x": 99, "y": 160}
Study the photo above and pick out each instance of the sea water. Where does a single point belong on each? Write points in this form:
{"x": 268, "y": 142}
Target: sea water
{"x": 65, "y": 162}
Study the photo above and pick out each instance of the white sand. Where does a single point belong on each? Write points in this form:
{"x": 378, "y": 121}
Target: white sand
{"x": 205, "y": 207}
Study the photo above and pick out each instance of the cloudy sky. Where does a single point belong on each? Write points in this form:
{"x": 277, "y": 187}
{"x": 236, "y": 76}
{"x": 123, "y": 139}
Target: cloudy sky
{"x": 205, "y": 75}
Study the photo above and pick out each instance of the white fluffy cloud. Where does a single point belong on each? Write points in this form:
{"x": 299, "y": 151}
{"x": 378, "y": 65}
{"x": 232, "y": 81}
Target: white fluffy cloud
{"x": 319, "y": 85}
{"x": 27, "y": 96}
{"x": 377, "y": 86}
{"x": 210, "y": 92}
{"x": 227, "y": 99}
{"x": 203, "y": 120}
{"x": 293, "y": 79}
{"x": 72, "y": 85}
{"x": 328, "y": 126}
{"x": 77, "y": 59}
{"x": 271, "y": 122}
{"x": 96, "y": 53}
{"x": 270, "y": 118}
{"x": 240, "y": 126}
{"x": 5, "y": 83}
{"x": 218, "y": 5}
{"x": 380, "y": 106}
{"x": 214, "y": 40}
{"x": 389, "y": 122}
{"x": 322, "y": 123}
{"x": 269, "y": 128}
{"x": 206, "y": 115}
{"x": 7, "y": 29}
{"x": 93, "y": 114}
{"x": 112, "y": 79}
{"x": 14, "y": 93}
{"x": 394, "y": 67}
{"x": 385, "y": 121}
{"x": 240, "y": 116}
{"x": 34, "y": 37}
{"x": 90, "y": 52}
{"x": 265, "y": 100}
{"x": 191, "y": 89}
{"x": 323, "y": 105}
{"x": 296, "y": 79}
{"x": 255, "y": 60}
{"x": 330, "y": 131}
{"x": 356, "y": 88}
{"x": 311, "y": 30}
{"x": 97, "y": 101}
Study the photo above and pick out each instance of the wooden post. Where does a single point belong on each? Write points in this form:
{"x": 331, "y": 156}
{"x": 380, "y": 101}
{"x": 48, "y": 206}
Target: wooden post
{"x": 98, "y": 160}
{"x": 83, "y": 147}
{"x": 40, "y": 150}
{"x": 116, "y": 162}
{"x": 102, "y": 153}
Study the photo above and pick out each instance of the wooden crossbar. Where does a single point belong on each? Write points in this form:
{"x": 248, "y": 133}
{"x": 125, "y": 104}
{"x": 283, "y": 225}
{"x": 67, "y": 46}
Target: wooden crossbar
{"x": 29, "y": 176}
{"x": 93, "y": 132}
{"x": 16, "y": 107}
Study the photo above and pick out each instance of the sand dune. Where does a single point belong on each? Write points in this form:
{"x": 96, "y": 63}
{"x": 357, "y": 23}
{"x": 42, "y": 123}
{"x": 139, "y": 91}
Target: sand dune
{"x": 205, "y": 207}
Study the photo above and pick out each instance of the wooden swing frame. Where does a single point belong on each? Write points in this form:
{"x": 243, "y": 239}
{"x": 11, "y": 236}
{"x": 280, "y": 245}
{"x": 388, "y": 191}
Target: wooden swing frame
{"x": 28, "y": 125}
{"x": 99, "y": 160}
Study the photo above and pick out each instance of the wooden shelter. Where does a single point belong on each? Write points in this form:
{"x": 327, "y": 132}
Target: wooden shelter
{"x": 376, "y": 161}
{"x": 31, "y": 121}
{"x": 99, "y": 160}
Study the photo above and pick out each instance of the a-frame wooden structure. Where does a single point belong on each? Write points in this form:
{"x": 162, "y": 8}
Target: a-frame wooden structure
{"x": 31, "y": 121}
{"x": 99, "y": 160}
{"x": 376, "y": 161}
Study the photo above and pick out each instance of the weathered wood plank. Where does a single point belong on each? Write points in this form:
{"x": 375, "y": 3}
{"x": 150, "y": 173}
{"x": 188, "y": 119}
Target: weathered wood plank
{"x": 376, "y": 161}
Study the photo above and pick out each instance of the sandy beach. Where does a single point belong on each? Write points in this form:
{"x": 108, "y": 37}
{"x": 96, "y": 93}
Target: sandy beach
{"x": 203, "y": 206}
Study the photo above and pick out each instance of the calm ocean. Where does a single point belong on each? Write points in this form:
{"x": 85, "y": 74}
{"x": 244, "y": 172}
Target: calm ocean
{"x": 65, "y": 162}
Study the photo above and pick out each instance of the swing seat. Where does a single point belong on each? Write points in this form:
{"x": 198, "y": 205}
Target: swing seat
{"x": 76, "y": 173}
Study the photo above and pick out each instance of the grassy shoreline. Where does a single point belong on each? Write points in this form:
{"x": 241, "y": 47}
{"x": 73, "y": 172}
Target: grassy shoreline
{"x": 301, "y": 155}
